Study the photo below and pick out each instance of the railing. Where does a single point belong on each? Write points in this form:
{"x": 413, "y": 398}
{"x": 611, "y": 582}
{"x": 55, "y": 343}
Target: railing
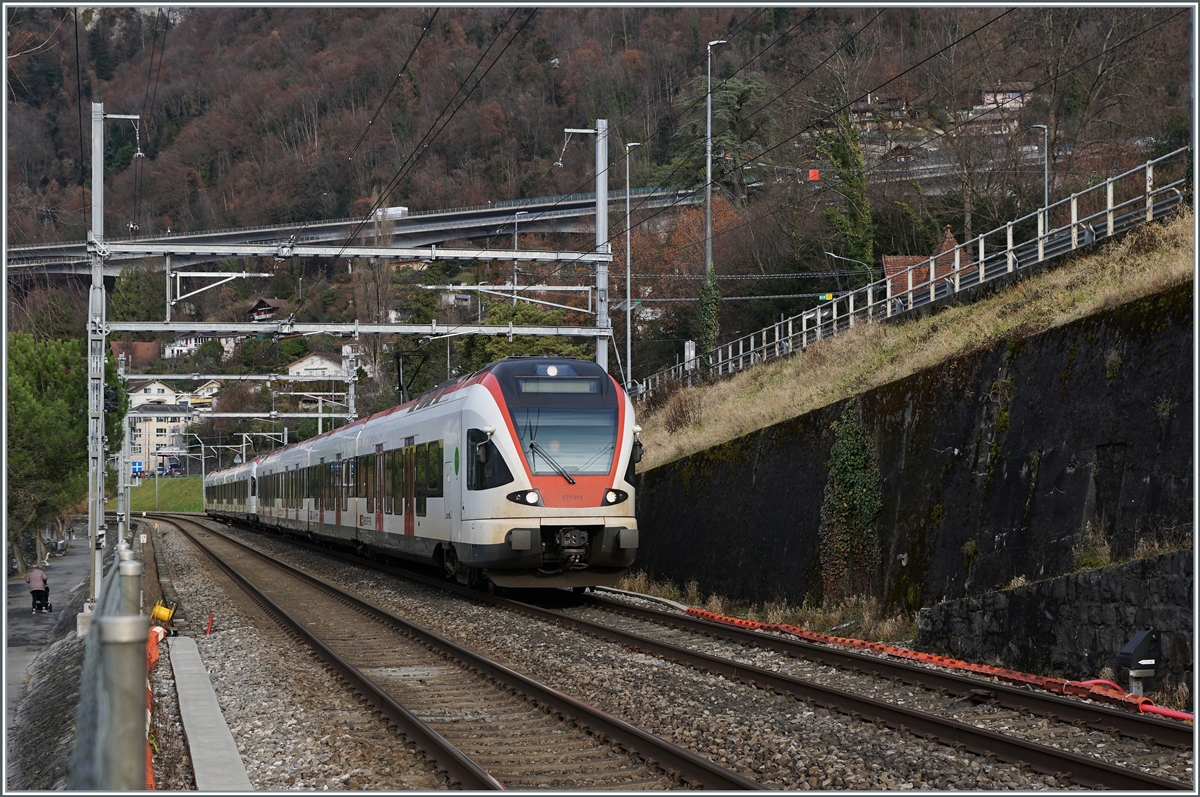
{"x": 1100, "y": 212}
{"x": 110, "y": 724}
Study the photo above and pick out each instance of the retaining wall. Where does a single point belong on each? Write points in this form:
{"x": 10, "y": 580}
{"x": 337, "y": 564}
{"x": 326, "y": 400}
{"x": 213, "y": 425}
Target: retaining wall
{"x": 1007, "y": 461}
{"x": 1072, "y": 626}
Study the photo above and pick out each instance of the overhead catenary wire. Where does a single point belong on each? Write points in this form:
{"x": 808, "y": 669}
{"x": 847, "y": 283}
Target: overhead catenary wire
{"x": 422, "y": 145}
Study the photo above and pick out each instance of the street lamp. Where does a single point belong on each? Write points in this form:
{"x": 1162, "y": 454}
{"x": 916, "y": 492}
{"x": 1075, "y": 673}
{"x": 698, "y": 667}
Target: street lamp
{"x": 1045, "y": 163}
{"x": 708, "y": 164}
{"x": 628, "y": 278}
{"x": 516, "y": 216}
{"x": 870, "y": 271}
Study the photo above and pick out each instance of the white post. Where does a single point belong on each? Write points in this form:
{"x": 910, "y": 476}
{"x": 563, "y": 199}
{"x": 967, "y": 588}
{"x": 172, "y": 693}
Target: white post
{"x": 602, "y": 246}
{"x": 96, "y": 336}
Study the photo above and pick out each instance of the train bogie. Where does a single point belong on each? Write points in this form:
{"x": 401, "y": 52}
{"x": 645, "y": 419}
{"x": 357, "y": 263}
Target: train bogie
{"x": 520, "y": 474}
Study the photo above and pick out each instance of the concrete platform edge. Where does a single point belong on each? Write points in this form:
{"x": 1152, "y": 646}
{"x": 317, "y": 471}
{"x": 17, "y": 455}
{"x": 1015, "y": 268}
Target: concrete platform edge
{"x": 215, "y": 759}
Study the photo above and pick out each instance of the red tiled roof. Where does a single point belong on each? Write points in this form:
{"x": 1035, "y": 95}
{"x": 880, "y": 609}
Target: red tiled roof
{"x": 896, "y": 267}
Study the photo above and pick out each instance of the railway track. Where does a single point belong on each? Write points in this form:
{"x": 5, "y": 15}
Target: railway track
{"x": 487, "y": 726}
{"x": 683, "y": 634}
{"x": 1076, "y": 712}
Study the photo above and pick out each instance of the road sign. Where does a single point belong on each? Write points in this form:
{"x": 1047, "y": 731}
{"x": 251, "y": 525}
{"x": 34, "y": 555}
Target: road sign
{"x": 136, "y": 468}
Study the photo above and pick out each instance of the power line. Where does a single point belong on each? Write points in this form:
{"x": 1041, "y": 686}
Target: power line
{"x": 751, "y": 277}
{"x": 422, "y": 145}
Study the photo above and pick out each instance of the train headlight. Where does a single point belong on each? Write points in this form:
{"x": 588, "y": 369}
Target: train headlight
{"x": 527, "y": 497}
{"x": 614, "y": 497}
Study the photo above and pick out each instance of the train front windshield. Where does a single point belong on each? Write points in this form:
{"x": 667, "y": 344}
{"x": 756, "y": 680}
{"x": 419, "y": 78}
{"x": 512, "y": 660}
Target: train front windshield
{"x": 579, "y": 440}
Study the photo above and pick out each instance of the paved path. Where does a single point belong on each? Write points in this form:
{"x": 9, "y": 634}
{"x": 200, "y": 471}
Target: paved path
{"x": 25, "y": 633}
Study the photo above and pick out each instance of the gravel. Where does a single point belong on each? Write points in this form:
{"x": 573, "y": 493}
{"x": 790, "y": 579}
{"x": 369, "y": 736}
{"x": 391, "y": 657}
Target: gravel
{"x": 296, "y": 725}
{"x": 781, "y": 742}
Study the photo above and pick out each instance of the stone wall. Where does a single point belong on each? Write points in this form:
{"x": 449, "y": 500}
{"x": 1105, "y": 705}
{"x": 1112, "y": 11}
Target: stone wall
{"x": 1010, "y": 460}
{"x": 1072, "y": 626}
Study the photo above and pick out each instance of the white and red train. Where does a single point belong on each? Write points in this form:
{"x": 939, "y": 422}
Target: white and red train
{"x": 520, "y": 474}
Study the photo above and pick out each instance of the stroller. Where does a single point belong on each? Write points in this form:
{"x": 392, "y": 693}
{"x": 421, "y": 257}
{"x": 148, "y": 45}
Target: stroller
{"x": 43, "y": 604}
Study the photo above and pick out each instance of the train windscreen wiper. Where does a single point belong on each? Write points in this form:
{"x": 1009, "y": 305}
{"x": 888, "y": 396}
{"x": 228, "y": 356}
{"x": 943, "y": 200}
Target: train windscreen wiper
{"x": 535, "y": 446}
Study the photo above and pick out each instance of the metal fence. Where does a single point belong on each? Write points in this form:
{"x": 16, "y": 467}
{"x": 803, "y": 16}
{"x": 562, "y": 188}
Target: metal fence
{"x": 1096, "y": 214}
{"x": 111, "y": 721}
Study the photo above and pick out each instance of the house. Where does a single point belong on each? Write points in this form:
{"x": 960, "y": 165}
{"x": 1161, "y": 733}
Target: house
{"x": 138, "y": 355}
{"x": 1009, "y": 95}
{"x": 266, "y": 309}
{"x": 896, "y": 267}
{"x": 230, "y": 342}
{"x": 203, "y": 397}
{"x": 183, "y": 346}
{"x": 318, "y": 364}
{"x": 362, "y": 357}
{"x": 154, "y": 392}
{"x": 155, "y": 426}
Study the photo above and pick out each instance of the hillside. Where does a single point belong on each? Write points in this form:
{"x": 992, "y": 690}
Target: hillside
{"x": 1143, "y": 263}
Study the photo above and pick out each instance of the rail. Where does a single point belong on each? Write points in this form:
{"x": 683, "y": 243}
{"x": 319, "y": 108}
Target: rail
{"x": 1101, "y": 212}
{"x": 110, "y": 723}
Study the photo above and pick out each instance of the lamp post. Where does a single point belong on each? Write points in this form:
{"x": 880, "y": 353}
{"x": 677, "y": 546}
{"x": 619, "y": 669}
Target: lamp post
{"x": 870, "y": 271}
{"x": 516, "y": 216}
{"x": 708, "y": 164}
{"x": 628, "y": 278}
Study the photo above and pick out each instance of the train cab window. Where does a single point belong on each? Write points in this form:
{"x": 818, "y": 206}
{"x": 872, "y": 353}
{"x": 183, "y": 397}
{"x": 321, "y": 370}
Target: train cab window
{"x": 485, "y": 475}
{"x": 435, "y": 469}
{"x": 422, "y": 471}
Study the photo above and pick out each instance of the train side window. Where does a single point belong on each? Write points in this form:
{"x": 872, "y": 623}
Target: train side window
{"x": 485, "y": 475}
{"x": 435, "y": 469}
{"x": 387, "y": 483}
{"x": 422, "y": 471}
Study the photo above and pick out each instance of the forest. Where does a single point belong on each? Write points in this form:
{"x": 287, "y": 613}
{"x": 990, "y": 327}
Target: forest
{"x": 255, "y": 116}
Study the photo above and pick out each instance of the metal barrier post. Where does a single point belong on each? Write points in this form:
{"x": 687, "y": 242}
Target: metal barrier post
{"x": 1074, "y": 221}
{"x": 1109, "y": 209}
{"x": 981, "y": 270}
{"x": 957, "y": 266}
{"x": 1010, "y": 254}
{"x": 1042, "y": 234}
{"x": 1149, "y": 190}
{"x": 910, "y": 271}
{"x": 123, "y": 653}
{"x": 932, "y": 278}
{"x": 131, "y": 587}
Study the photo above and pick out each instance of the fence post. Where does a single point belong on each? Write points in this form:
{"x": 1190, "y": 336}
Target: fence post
{"x": 910, "y": 271}
{"x": 1042, "y": 234}
{"x": 932, "y": 278}
{"x": 851, "y": 311}
{"x": 957, "y": 266}
{"x": 887, "y": 295}
{"x": 1149, "y": 189}
{"x": 131, "y": 586}
{"x": 804, "y": 331}
{"x": 1109, "y": 209}
{"x": 123, "y": 653}
{"x": 1009, "y": 254}
{"x": 982, "y": 273}
{"x": 870, "y": 303}
{"x": 1074, "y": 221}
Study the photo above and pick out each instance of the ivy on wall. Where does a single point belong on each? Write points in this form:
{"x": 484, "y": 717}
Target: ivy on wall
{"x": 850, "y": 549}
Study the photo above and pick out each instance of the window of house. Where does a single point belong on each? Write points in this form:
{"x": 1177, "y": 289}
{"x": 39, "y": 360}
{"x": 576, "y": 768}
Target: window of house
{"x": 160, "y": 431}
{"x": 162, "y": 390}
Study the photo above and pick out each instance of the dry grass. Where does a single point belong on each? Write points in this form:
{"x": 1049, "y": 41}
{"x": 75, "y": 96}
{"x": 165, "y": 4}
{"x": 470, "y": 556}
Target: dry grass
{"x": 1144, "y": 262}
{"x": 857, "y": 617}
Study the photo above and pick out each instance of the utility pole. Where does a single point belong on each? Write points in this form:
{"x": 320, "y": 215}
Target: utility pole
{"x": 97, "y": 333}
{"x": 602, "y": 246}
{"x": 628, "y": 279}
{"x": 122, "y": 469}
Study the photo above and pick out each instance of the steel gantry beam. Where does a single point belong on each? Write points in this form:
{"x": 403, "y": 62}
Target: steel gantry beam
{"x": 286, "y": 327}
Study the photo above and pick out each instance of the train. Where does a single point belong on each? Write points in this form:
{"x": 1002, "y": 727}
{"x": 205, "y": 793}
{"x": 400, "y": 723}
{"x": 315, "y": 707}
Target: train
{"x": 519, "y": 475}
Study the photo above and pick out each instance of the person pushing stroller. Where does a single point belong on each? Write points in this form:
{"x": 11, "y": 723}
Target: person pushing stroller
{"x": 39, "y": 588}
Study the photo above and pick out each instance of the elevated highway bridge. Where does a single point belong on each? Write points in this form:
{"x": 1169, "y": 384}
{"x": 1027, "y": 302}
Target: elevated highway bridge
{"x": 571, "y": 213}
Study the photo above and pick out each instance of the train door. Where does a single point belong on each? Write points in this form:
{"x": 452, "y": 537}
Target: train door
{"x": 380, "y": 482}
{"x": 410, "y": 504}
{"x": 339, "y": 496}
